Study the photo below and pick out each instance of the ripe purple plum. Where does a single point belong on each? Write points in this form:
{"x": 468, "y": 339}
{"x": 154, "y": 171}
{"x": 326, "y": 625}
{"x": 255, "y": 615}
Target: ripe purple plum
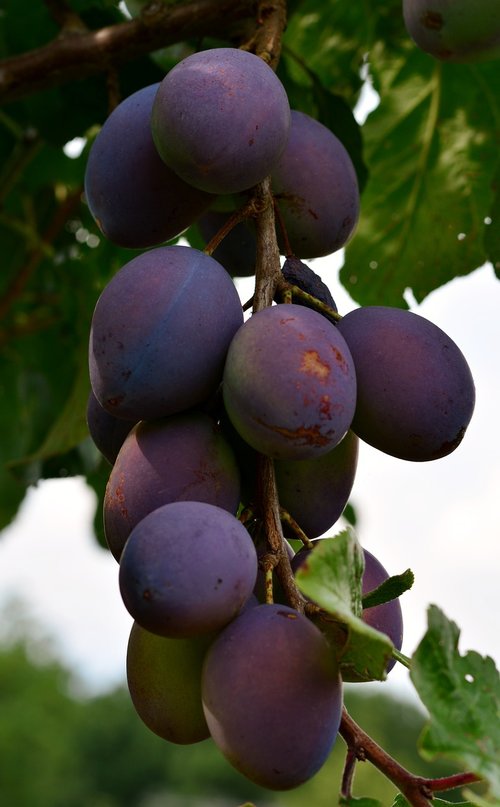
{"x": 289, "y": 383}
{"x": 183, "y": 457}
{"x": 160, "y": 332}
{"x": 164, "y": 681}
{"x": 455, "y": 30}
{"x": 107, "y": 432}
{"x": 415, "y": 390}
{"x": 272, "y": 696}
{"x": 187, "y": 569}
{"x": 316, "y": 491}
{"x": 221, "y": 119}
{"x": 316, "y": 187}
{"x": 136, "y": 200}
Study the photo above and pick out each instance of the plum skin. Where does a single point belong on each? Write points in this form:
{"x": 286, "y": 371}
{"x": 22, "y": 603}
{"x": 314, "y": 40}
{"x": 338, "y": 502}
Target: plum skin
{"x": 316, "y": 491}
{"x": 164, "y": 682}
{"x": 316, "y": 187}
{"x": 220, "y": 120}
{"x": 295, "y": 399}
{"x": 416, "y": 393}
{"x": 187, "y": 569}
{"x": 136, "y": 200}
{"x": 160, "y": 332}
{"x": 182, "y": 457}
{"x": 272, "y": 696}
{"x": 455, "y": 30}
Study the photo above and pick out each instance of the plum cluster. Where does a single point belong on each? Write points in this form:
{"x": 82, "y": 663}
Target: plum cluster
{"x": 186, "y": 397}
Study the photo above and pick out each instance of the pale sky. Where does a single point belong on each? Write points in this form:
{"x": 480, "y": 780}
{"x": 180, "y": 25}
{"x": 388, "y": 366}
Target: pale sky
{"x": 441, "y": 518}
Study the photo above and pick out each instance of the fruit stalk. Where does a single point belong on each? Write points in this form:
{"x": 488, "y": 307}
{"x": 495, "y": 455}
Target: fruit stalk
{"x": 418, "y": 790}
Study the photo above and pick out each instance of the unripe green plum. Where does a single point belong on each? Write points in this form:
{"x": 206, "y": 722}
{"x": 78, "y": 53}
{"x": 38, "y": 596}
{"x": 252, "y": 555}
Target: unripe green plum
{"x": 455, "y": 30}
{"x": 164, "y": 681}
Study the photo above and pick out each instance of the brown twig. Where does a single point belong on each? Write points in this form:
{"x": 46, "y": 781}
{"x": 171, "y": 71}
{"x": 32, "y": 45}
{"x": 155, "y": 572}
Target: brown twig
{"x": 418, "y": 790}
{"x": 245, "y": 211}
{"x": 267, "y": 265}
{"x": 269, "y": 511}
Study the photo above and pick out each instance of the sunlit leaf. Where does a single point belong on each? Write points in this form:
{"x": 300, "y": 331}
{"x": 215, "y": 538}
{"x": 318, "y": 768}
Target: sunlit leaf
{"x": 331, "y": 577}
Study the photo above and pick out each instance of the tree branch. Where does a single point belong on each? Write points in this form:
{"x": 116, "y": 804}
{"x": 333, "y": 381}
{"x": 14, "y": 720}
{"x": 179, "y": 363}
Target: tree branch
{"x": 418, "y": 790}
{"x": 266, "y": 41}
{"x": 78, "y": 54}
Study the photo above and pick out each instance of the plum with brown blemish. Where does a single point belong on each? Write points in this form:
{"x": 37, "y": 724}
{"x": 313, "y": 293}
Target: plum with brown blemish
{"x": 289, "y": 383}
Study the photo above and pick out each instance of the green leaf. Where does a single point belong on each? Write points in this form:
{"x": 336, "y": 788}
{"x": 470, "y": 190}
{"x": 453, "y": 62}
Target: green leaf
{"x": 462, "y": 696}
{"x": 331, "y": 577}
{"x": 390, "y": 589}
{"x": 70, "y": 427}
{"x": 431, "y": 149}
{"x": 360, "y": 802}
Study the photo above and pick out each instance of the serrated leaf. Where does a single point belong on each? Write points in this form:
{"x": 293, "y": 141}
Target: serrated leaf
{"x": 331, "y": 577}
{"x": 431, "y": 151}
{"x": 462, "y": 696}
{"x": 390, "y": 589}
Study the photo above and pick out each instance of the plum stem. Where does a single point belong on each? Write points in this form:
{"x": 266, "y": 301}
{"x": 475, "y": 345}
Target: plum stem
{"x": 270, "y": 513}
{"x": 267, "y": 264}
{"x": 238, "y": 216}
{"x": 285, "y": 288}
{"x": 404, "y": 660}
{"x": 299, "y": 532}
